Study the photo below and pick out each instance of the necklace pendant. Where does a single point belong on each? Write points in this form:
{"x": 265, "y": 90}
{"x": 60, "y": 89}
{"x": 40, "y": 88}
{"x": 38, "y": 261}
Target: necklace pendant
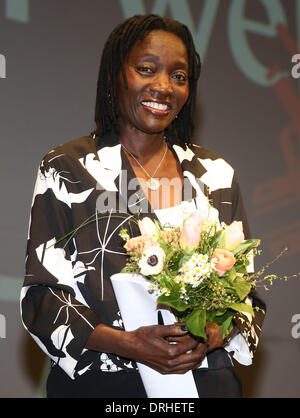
{"x": 153, "y": 184}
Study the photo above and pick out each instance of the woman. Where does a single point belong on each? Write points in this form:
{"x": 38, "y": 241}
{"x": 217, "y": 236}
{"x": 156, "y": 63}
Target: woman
{"x": 145, "y": 101}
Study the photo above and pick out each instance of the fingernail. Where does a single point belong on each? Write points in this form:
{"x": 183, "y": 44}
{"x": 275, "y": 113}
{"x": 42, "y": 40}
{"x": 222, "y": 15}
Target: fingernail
{"x": 184, "y": 328}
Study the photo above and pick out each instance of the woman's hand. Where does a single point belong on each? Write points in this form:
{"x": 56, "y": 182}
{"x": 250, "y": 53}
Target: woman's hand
{"x": 165, "y": 348}
{"x": 168, "y": 349}
{"x": 214, "y": 338}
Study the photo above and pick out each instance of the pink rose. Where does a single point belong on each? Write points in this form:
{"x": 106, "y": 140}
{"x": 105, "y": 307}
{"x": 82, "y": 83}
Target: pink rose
{"x": 191, "y": 231}
{"x": 232, "y": 236}
{"x": 225, "y": 260}
{"x": 139, "y": 244}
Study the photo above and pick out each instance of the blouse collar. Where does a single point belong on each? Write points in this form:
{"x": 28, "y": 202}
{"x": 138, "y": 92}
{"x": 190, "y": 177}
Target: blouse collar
{"x": 117, "y": 166}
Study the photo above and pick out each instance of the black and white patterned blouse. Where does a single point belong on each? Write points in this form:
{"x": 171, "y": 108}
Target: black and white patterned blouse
{"x": 89, "y": 187}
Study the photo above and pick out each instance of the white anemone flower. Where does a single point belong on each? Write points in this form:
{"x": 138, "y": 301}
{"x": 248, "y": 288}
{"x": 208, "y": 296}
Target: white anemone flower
{"x": 152, "y": 261}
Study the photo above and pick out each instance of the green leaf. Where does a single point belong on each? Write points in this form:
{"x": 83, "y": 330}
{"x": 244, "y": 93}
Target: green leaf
{"x": 219, "y": 319}
{"x": 173, "y": 300}
{"x": 226, "y": 325}
{"x": 185, "y": 257}
{"x": 165, "y": 247}
{"x": 221, "y": 240}
{"x": 196, "y": 322}
{"x": 157, "y": 226}
{"x": 241, "y": 269}
{"x": 242, "y": 307}
{"x": 246, "y": 246}
{"x": 242, "y": 287}
{"x": 232, "y": 274}
{"x": 220, "y": 312}
{"x": 211, "y": 316}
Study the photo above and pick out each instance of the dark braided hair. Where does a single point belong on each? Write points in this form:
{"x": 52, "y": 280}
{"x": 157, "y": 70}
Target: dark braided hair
{"x": 117, "y": 48}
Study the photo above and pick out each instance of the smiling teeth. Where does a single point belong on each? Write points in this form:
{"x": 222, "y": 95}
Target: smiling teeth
{"x": 158, "y": 106}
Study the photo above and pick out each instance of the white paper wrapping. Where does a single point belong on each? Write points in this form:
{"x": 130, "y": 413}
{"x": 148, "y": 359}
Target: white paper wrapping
{"x": 138, "y": 308}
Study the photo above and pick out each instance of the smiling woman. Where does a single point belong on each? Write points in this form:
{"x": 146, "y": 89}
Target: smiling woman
{"x": 157, "y": 85}
{"x": 117, "y": 50}
{"x": 155, "y": 90}
{"x": 145, "y": 101}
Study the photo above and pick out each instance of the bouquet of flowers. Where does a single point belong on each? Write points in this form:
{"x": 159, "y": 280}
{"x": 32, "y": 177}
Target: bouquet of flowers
{"x": 199, "y": 269}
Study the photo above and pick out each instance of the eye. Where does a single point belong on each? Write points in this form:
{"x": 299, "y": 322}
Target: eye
{"x": 180, "y": 77}
{"x": 145, "y": 69}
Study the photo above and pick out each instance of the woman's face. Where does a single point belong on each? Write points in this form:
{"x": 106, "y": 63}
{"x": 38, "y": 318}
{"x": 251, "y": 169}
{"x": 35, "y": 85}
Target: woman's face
{"x": 157, "y": 75}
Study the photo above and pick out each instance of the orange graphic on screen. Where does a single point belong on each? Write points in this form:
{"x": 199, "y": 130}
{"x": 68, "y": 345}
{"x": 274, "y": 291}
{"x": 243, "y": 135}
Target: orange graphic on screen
{"x": 282, "y": 191}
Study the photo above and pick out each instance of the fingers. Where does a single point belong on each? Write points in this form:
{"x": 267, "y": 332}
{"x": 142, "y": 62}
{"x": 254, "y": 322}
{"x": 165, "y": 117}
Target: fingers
{"x": 214, "y": 337}
{"x": 187, "y": 361}
{"x": 175, "y": 334}
{"x": 187, "y": 349}
{"x": 168, "y": 349}
{"x": 171, "y": 330}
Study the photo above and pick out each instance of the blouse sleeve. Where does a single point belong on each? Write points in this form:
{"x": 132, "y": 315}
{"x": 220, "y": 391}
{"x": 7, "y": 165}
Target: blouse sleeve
{"x": 52, "y": 308}
{"x": 249, "y": 327}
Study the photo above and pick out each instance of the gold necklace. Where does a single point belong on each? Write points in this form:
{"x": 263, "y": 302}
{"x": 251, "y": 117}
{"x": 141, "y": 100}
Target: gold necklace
{"x": 152, "y": 183}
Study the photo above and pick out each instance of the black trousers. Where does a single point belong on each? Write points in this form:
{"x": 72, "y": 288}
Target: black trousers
{"x": 217, "y": 381}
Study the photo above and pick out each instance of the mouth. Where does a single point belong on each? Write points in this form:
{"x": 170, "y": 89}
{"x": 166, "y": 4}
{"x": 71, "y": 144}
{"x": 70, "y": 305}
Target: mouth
{"x": 157, "y": 108}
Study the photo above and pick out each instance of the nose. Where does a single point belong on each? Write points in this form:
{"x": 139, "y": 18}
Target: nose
{"x": 162, "y": 85}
